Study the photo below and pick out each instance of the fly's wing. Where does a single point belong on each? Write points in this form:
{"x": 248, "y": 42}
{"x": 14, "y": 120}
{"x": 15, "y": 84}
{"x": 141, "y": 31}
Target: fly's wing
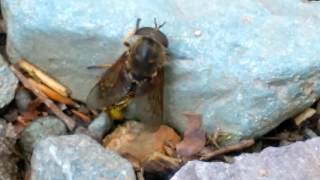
{"x": 111, "y": 87}
{"x": 148, "y": 104}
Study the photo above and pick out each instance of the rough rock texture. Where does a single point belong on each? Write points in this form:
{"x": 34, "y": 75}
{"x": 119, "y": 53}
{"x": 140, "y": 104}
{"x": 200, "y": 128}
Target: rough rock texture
{"x": 77, "y": 157}
{"x": 246, "y": 65}
{"x": 296, "y": 161}
{"x": 8, "y": 167}
{"x": 41, "y": 129}
{"x": 8, "y": 83}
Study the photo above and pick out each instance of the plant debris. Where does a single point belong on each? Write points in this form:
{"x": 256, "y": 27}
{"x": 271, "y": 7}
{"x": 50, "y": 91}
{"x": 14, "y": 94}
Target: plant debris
{"x": 227, "y": 149}
{"x": 49, "y": 103}
{"x": 194, "y": 139}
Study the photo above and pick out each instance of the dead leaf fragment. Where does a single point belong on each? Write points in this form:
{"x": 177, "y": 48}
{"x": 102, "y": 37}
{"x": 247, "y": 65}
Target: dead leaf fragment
{"x": 194, "y": 138}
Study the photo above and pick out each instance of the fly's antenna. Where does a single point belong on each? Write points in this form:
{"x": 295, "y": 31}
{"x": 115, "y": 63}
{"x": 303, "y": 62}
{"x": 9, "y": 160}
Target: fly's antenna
{"x": 137, "y": 24}
{"x": 156, "y": 24}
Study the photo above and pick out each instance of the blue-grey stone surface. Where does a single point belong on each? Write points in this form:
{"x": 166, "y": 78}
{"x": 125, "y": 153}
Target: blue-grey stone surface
{"x": 246, "y": 65}
{"x": 77, "y": 157}
{"x": 8, "y": 83}
{"x": 39, "y": 129}
{"x": 296, "y": 161}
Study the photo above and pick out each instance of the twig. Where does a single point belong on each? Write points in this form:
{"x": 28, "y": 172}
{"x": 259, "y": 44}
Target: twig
{"x": 33, "y": 105}
{"x": 81, "y": 115}
{"x": 44, "y": 78}
{"x": 52, "y": 94}
{"x": 100, "y": 66}
{"x": 21, "y": 121}
{"x": 236, "y": 147}
{"x": 67, "y": 120}
{"x": 140, "y": 174}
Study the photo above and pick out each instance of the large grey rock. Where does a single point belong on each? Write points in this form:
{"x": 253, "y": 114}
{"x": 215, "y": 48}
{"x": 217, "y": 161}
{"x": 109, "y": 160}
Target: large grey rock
{"x": 8, "y": 83}
{"x": 8, "y": 167}
{"x": 77, "y": 157}
{"x": 40, "y": 129}
{"x": 296, "y": 161}
{"x": 246, "y": 65}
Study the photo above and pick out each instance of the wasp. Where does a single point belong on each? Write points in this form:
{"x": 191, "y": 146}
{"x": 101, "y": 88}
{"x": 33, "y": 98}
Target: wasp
{"x": 137, "y": 75}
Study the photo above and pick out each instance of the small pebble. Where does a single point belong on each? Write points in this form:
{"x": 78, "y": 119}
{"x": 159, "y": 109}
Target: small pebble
{"x": 40, "y": 129}
{"x": 23, "y": 98}
{"x": 100, "y": 125}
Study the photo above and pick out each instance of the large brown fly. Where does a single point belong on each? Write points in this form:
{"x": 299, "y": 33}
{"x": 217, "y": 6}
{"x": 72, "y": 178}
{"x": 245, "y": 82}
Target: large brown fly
{"x": 137, "y": 74}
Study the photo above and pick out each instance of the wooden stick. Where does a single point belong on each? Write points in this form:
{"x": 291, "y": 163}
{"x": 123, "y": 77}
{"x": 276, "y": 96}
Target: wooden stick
{"x": 52, "y": 94}
{"x": 67, "y": 120}
{"x": 100, "y": 66}
{"x": 81, "y": 115}
{"x": 241, "y": 145}
{"x": 44, "y": 78}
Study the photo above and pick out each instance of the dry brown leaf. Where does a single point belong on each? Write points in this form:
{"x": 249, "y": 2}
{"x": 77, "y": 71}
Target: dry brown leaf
{"x": 194, "y": 138}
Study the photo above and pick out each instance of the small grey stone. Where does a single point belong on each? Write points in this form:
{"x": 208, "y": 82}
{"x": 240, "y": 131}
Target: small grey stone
{"x": 77, "y": 157}
{"x": 8, "y": 167}
{"x": 296, "y": 161}
{"x": 8, "y": 83}
{"x": 40, "y": 129}
{"x": 23, "y": 98}
{"x": 100, "y": 125}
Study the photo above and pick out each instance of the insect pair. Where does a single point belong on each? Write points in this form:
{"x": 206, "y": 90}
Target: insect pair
{"x": 137, "y": 76}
